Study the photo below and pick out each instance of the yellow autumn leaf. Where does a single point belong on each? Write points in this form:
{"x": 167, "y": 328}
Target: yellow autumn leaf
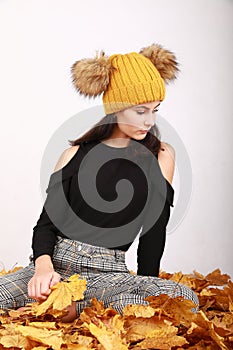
{"x": 110, "y": 339}
{"x": 4, "y": 272}
{"x": 180, "y": 278}
{"x": 61, "y": 296}
{"x": 138, "y": 310}
{"x": 15, "y": 340}
{"x": 51, "y": 338}
{"x": 163, "y": 324}
{"x": 43, "y": 325}
{"x": 162, "y": 339}
{"x": 139, "y": 328}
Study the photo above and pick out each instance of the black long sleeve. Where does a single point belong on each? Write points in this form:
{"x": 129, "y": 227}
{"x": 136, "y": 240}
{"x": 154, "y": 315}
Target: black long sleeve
{"x": 153, "y": 236}
{"x": 151, "y": 245}
{"x": 52, "y": 216}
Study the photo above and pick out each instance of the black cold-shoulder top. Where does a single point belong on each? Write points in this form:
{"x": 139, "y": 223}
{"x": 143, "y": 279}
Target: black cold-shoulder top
{"x": 104, "y": 196}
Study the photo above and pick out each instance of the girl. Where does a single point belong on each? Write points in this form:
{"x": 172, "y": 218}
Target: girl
{"x": 111, "y": 184}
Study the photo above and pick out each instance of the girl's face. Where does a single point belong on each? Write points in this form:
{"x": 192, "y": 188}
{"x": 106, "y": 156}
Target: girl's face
{"x": 136, "y": 121}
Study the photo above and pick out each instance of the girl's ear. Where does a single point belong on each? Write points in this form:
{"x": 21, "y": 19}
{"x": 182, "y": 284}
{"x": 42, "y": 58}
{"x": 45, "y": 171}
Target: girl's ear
{"x": 164, "y": 61}
{"x": 91, "y": 75}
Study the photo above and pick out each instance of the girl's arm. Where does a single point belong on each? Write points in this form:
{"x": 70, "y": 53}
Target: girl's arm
{"x": 152, "y": 243}
{"x": 45, "y": 233}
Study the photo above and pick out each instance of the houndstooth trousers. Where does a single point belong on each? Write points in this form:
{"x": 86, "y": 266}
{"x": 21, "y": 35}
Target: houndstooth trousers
{"x": 108, "y": 278}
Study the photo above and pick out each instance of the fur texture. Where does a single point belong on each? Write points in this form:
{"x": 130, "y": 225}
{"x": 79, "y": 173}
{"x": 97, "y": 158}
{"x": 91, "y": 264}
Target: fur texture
{"x": 91, "y": 76}
{"x": 164, "y": 61}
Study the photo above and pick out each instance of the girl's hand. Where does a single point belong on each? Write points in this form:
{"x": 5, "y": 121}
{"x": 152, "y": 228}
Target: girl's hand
{"x": 39, "y": 286}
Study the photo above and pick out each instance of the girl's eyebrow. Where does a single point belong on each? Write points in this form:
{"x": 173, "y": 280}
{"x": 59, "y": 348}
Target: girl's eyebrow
{"x": 147, "y": 107}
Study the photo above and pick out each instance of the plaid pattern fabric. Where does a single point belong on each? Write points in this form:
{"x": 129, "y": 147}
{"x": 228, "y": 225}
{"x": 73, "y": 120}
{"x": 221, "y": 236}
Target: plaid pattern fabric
{"x": 108, "y": 278}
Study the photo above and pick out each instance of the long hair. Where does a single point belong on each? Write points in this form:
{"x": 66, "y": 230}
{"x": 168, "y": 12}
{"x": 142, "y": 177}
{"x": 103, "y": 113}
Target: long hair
{"x": 104, "y": 129}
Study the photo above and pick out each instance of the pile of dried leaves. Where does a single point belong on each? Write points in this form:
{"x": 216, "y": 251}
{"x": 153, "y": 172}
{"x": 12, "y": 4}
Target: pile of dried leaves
{"x": 166, "y": 323}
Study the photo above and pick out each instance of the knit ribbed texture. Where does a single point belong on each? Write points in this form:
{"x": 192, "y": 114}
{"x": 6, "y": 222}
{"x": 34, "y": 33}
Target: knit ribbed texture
{"x": 134, "y": 80}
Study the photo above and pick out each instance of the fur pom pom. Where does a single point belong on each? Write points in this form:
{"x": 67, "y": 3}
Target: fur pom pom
{"x": 164, "y": 61}
{"x": 91, "y": 76}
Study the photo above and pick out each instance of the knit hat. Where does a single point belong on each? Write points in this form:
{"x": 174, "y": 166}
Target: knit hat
{"x": 126, "y": 79}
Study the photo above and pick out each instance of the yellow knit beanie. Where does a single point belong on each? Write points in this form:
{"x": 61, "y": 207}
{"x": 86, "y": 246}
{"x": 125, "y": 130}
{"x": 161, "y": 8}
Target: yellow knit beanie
{"x": 126, "y": 79}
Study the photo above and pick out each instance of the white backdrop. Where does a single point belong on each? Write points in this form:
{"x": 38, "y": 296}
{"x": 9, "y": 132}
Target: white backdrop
{"x": 40, "y": 40}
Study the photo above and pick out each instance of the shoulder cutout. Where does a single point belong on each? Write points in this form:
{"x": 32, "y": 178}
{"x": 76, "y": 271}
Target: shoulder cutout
{"x": 166, "y": 159}
{"x": 66, "y": 156}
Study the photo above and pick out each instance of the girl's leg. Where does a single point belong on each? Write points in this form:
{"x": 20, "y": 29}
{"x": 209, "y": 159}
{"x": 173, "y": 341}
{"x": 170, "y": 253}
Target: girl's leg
{"x": 13, "y": 288}
{"x": 121, "y": 289}
{"x": 146, "y": 286}
{"x": 108, "y": 278}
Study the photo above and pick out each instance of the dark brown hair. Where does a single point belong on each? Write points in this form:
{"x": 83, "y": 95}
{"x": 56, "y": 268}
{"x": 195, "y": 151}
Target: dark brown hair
{"x": 104, "y": 128}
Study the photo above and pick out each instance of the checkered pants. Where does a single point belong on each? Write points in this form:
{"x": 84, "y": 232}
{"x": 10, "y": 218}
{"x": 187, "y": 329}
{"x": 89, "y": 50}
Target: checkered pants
{"x": 108, "y": 278}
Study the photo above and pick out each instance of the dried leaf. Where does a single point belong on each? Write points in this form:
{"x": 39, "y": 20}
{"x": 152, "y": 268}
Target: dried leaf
{"x": 178, "y": 309}
{"x": 138, "y": 311}
{"x": 204, "y": 323}
{"x": 166, "y": 323}
{"x": 14, "y": 340}
{"x": 110, "y": 337}
{"x": 138, "y": 329}
{"x": 45, "y": 337}
{"x": 164, "y": 338}
{"x": 215, "y": 278}
{"x": 62, "y": 295}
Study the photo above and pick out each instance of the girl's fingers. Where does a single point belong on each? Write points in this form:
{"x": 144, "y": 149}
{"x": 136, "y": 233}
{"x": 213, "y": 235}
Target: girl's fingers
{"x": 40, "y": 288}
{"x": 55, "y": 279}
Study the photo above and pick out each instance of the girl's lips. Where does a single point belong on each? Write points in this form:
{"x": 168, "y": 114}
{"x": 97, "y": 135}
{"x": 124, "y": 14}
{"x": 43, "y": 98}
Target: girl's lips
{"x": 143, "y": 131}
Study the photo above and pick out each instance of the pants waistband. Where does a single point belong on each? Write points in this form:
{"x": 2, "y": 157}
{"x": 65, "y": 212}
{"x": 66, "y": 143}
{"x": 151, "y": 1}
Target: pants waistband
{"x": 91, "y": 249}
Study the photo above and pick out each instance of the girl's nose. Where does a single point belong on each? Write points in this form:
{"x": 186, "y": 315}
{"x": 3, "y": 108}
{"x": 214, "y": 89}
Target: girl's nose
{"x": 149, "y": 120}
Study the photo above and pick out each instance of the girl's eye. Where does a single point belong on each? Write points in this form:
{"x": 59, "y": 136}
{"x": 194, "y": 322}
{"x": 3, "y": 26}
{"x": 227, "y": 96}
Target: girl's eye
{"x": 142, "y": 112}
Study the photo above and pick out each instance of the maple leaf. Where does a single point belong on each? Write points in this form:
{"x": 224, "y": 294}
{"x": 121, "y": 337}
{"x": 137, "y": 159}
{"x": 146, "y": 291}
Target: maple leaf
{"x": 166, "y": 323}
{"x": 223, "y": 324}
{"x": 164, "y": 338}
{"x": 139, "y": 328}
{"x": 110, "y": 339}
{"x": 179, "y": 277}
{"x": 215, "y": 278}
{"x": 4, "y": 272}
{"x": 208, "y": 327}
{"x": 178, "y": 308}
{"x": 61, "y": 296}
{"x": 14, "y": 340}
{"x": 44, "y": 336}
{"x": 138, "y": 310}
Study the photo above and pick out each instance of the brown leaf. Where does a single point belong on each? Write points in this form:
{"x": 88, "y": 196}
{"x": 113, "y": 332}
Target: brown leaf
{"x": 204, "y": 323}
{"x": 178, "y": 309}
{"x": 215, "y": 278}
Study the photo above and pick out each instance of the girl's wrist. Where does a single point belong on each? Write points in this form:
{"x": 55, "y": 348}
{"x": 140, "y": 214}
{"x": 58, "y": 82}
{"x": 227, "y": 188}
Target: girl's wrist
{"x": 44, "y": 262}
